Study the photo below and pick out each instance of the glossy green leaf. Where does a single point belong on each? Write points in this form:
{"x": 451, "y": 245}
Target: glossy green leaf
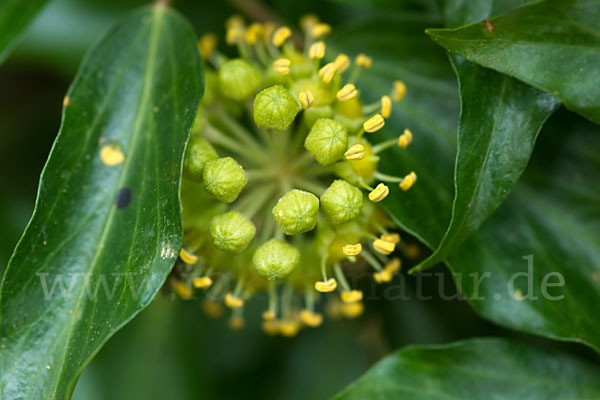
{"x": 104, "y": 235}
{"x": 499, "y": 123}
{"x": 553, "y": 45}
{"x": 477, "y": 369}
{"x": 15, "y": 15}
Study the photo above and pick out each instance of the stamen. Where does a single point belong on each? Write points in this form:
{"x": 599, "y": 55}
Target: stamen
{"x": 327, "y": 72}
{"x": 352, "y": 310}
{"x": 374, "y": 123}
{"x": 390, "y": 237}
{"x": 282, "y": 65}
{"x": 270, "y": 327}
{"x": 289, "y": 327}
{"x": 182, "y": 289}
{"x": 234, "y": 34}
{"x": 308, "y": 21}
{"x": 386, "y": 106}
{"x": 233, "y": 301}
{"x": 187, "y": 257}
{"x": 281, "y": 35}
{"x": 382, "y": 276}
{"x": 237, "y": 322}
{"x": 393, "y": 266}
{"x": 206, "y": 44}
{"x": 408, "y": 181}
{"x": 379, "y": 193}
{"x": 212, "y": 308}
{"x": 327, "y": 286}
{"x": 363, "y": 61}
{"x": 351, "y": 296}
{"x": 398, "y": 91}
{"x": 405, "y": 139}
{"x": 310, "y": 318}
{"x": 317, "y": 50}
{"x": 352, "y": 249}
{"x": 355, "y": 152}
{"x": 320, "y": 29}
{"x": 253, "y": 33}
{"x": 383, "y": 246}
{"x": 342, "y": 62}
{"x": 234, "y": 21}
{"x": 306, "y": 99}
{"x": 268, "y": 315}
{"x": 347, "y": 92}
{"x": 202, "y": 282}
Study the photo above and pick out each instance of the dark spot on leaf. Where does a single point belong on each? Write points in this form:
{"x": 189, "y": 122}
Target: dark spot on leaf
{"x": 123, "y": 198}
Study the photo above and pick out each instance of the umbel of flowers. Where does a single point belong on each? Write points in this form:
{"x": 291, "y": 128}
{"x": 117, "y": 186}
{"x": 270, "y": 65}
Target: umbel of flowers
{"x": 281, "y": 180}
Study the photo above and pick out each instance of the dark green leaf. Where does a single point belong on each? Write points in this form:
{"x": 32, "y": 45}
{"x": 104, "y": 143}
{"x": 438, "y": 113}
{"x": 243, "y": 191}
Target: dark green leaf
{"x": 110, "y": 234}
{"x": 15, "y": 15}
{"x": 477, "y": 369}
{"x": 553, "y": 45}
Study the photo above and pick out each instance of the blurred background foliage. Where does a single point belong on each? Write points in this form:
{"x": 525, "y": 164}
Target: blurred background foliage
{"x": 172, "y": 350}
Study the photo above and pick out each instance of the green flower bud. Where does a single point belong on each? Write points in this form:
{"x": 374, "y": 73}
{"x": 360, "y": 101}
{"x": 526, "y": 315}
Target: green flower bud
{"x": 231, "y": 232}
{"x": 296, "y": 212}
{"x": 275, "y": 259}
{"x": 275, "y": 108}
{"x": 327, "y": 141}
{"x": 238, "y": 79}
{"x": 224, "y": 178}
{"x": 341, "y": 202}
{"x": 313, "y": 114}
{"x": 197, "y": 153}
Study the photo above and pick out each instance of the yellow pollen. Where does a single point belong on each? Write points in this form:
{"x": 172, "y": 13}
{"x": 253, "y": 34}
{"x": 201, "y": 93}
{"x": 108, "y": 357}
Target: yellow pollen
{"x": 391, "y": 237}
{"x": 342, "y": 62}
{"x": 234, "y": 34}
{"x": 326, "y": 72}
{"x": 111, "y": 155}
{"x": 182, "y": 289}
{"x": 206, "y": 44}
{"x": 393, "y": 266}
{"x": 405, "y": 139}
{"x": 212, "y": 308}
{"x": 379, "y": 193}
{"x": 270, "y": 327}
{"x": 268, "y": 315}
{"x": 386, "y": 106}
{"x": 398, "y": 91}
{"x": 408, "y": 181}
{"x": 202, "y": 282}
{"x": 317, "y": 50}
{"x": 306, "y": 99}
{"x": 281, "y": 35}
{"x": 355, "y": 152}
{"x": 383, "y": 276}
{"x": 289, "y": 328}
{"x": 383, "y": 246}
{"x": 374, "y": 123}
{"x": 310, "y": 318}
{"x": 352, "y": 310}
{"x": 347, "y": 92}
{"x": 352, "y": 249}
{"x": 234, "y": 20}
{"x": 320, "y": 29}
{"x": 351, "y": 296}
{"x": 308, "y": 21}
{"x": 237, "y": 323}
{"x": 363, "y": 61}
{"x": 325, "y": 287}
{"x": 282, "y": 65}
{"x": 187, "y": 257}
{"x": 232, "y": 301}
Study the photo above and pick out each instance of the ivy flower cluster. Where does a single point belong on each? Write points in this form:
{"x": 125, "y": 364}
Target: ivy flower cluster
{"x": 281, "y": 179}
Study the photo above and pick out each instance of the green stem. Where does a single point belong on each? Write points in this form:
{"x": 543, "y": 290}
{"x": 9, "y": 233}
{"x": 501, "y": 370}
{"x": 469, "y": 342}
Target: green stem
{"x": 337, "y": 268}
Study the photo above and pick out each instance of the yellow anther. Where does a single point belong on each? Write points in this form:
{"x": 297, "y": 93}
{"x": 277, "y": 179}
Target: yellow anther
{"x": 187, "y": 257}
{"x": 382, "y": 276}
{"x": 282, "y": 65}
{"x": 405, "y": 139}
{"x": 342, "y": 62}
{"x": 206, "y": 44}
{"x": 347, "y": 92}
{"x": 408, "y": 181}
{"x": 379, "y": 193}
{"x": 363, "y": 61}
{"x": 393, "y": 266}
{"x": 111, "y": 155}
{"x": 270, "y": 327}
{"x": 307, "y": 22}
{"x": 281, "y": 35}
{"x": 234, "y": 20}
{"x": 351, "y": 296}
{"x": 386, "y": 106}
{"x": 202, "y": 282}
{"x": 390, "y": 237}
{"x": 317, "y": 50}
{"x": 232, "y": 301}
{"x": 212, "y": 308}
{"x": 306, "y": 99}
{"x": 352, "y": 310}
{"x": 236, "y": 323}
{"x": 234, "y": 34}
{"x": 289, "y": 328}
{"x": 326, "y": 72}
{"x": 374, "y": 123}
{"x": 355, "y": 152}
{"x": 311, "y": 319}
{"x": 182, "y": 289}
{"x": 254, "y": 32}
{"x": 398, "y": 91}
{"x": 352, "y": 249}
{"x": 328, "y": 286}
{"x": 320, "y": 29}
{"x": 383, "y": 246}
{"x": 268, "y": 315}
{"x": 268, "y": 29}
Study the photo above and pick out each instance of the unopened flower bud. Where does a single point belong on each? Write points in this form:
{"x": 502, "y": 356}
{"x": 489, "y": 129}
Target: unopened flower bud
{"x": 197, "y": 154}
{"x": 231, "y": 232}
{"x": 238, "y": 79}
{"x": 275, "y": 259}
{"x": 224, "y": 178}
{"x": 341, "y": 202}
{"x": 275, "y": 108}
{"x": 296, "y": 212}
{"x": 327, "y": 141}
